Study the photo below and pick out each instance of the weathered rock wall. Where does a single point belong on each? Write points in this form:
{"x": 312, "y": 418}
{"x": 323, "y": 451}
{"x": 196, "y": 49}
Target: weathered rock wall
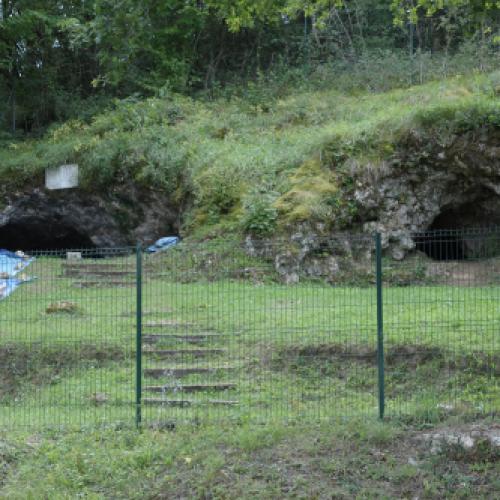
{"x": 428, "y": 183}
{"x": 120, "y": 217}
{"x": 454, "y": 184}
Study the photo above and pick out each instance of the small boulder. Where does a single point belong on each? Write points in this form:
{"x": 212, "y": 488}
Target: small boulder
{"x": 98, "y": 398}
{"x": 63, "y": 306}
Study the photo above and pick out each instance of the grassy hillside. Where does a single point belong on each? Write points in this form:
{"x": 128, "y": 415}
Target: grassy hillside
{"x": 258, "y": 163}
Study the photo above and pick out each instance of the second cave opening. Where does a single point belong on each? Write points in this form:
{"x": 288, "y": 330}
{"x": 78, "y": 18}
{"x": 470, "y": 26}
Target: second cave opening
{"x": 462, "y": 233}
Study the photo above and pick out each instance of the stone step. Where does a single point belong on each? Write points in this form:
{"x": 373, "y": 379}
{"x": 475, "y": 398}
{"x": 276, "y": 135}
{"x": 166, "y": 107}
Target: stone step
{"x": 183, "y": 371}
{"x": 169, "y": 323}
{"x": 188, "y": 402}
{"x": 222, "y": 386}
{"x": 102, "y": 283}
{"x": 183, "y": 352}
{"x": 91, "y": 266}
{"x": 197, "y": 338}
{"x": 78, "y": 273}
{"x": 145, "y": 312}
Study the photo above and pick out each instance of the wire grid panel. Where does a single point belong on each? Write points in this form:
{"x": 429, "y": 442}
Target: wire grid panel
{"x": 442, "y": 326}
{"x": 258, "y": 332}
{"x": 67, "y": 340}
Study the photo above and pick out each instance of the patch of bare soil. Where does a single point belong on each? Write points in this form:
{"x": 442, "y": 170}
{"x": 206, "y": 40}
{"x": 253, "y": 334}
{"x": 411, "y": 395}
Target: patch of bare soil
{"x": 407, "y": 355}
{"x": 22, "y": 364}
{"x": 354, "y": 461}
{"x": 464, "y": 273}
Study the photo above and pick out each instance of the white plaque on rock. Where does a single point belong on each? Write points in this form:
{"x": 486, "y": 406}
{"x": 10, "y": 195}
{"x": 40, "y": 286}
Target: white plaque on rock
{"x": 63, "y": 177}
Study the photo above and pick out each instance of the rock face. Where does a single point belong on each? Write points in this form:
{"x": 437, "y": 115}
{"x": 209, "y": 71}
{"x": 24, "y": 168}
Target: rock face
{"x": 431, "y": 185}
{"x": 468, "y": 440}
{"x": 41, "y": 219}
{"x": 427, "y": 184}
{"x": 310, "y": 254}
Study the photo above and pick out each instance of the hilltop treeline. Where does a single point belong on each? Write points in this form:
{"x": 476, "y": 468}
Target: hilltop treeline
{"x": 62, "y": 59}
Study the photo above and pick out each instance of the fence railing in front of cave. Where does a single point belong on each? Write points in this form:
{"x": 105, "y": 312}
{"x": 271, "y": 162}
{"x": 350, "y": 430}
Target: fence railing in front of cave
{"x": 254, "y": 332}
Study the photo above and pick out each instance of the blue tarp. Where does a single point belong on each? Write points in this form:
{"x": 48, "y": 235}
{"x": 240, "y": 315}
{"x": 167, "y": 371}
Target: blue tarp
{"x": 10, "y": 265}
{"x": 163, "y": 244}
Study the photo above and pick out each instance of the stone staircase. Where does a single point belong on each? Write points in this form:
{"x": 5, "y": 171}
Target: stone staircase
{"x": 96, "y": 274}
{"x": 177, "y": 359}
{"x": 185, "y": 363}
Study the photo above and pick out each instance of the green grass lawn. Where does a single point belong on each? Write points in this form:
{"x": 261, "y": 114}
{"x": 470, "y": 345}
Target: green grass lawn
{"x": 295, "y": 353}
{"x": 359, "y": 459}
{"x": 305, "y": 376}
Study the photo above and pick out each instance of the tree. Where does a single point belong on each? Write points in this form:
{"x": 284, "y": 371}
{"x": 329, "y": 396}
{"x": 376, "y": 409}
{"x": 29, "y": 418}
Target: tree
{"x": 145, "y": 45}
{"x": 413, "y": 10}
{"x": 38, "y": 59}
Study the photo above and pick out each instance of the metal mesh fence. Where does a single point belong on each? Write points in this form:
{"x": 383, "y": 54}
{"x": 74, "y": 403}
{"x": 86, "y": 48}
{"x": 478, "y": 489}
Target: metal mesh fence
{"x": 442, "y": 326}
{"x": 254, "y": 332}
{"x": 258, "y": 334}
{"x": 66, "y": 340}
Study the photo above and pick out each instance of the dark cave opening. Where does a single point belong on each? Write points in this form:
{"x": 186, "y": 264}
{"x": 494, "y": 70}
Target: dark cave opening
{"x": 33, "y": 233}
{"x": 441, "y": 245}
{"x": 461, "y": 233}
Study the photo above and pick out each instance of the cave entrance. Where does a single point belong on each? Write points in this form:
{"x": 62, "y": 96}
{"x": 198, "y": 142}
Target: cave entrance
{"x": 461, "y": 234}
{"x": 442, "y": 245}
{"x": 32, "y": 233}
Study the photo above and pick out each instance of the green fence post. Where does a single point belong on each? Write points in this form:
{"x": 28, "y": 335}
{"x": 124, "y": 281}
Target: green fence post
{"x": 138, "y": 347}
{"x": 380, "y": 328}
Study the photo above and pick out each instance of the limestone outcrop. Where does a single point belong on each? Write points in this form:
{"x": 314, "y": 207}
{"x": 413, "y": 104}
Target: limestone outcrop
{"x": 41, "y": 219}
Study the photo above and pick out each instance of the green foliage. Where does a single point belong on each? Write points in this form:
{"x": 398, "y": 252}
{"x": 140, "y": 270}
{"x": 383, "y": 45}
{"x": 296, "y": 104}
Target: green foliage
{"x": 245, "y": 13}
{"x": 145, "y": 45}
{"x": 260, "y": 214}
{"x": 219, "y": 155}
{"x": 411, "y": 10}
{"x": 219, "y": 191}
{"x": 40, "y": 61}
{"x": 61, "y": 59}
{"x": 312, "y": 194}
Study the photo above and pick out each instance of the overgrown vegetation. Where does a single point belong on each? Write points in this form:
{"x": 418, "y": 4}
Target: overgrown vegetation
{"x": 66, "y": 59}
{"x": 244, "y": 115}
{"x": 250, "y": 167}
{"x": 359, "y": 459}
